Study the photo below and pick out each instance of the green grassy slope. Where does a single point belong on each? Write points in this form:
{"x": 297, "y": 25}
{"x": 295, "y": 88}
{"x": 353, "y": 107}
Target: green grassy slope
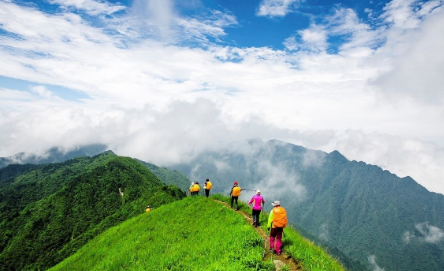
{"x": 49, "y": 213}
{"x": 195, "y": 233}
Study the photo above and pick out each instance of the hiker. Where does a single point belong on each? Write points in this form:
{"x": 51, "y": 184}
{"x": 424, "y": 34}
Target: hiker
{"x": 147, "y": 209}
{"x": 258, "y": 202}
{"x": 207, "y": 187}
{"x": 277, "y": 218}
{"x": 196, "y": 188}
{"x": 191, "y": 189}
{"x": 235, "y": 193}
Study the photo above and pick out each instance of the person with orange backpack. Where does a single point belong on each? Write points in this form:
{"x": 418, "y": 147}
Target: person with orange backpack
{"x": 277, "y": 219}
{"x": 235, "y": 193}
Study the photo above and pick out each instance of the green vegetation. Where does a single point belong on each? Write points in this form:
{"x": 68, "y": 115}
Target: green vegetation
{"x": 195, "y": 233}
{"x": 313, "y": 258}
{"x": 169, "y": 177}
{"x": 355, "y": 209}
{"x": 49, "y": 212}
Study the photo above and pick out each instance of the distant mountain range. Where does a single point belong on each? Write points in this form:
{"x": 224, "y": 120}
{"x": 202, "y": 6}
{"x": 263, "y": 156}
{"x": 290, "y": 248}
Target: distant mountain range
{"x": 53, "y": 155}
{"x": 372, "y": 216}
{"x": 369, "y": 218}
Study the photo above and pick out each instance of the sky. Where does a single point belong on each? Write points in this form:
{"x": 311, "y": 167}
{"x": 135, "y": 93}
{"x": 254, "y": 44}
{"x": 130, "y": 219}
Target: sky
{"x": 163, "y": 80}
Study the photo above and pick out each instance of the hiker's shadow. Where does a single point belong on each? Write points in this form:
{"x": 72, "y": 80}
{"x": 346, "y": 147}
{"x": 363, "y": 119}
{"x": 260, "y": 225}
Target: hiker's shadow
{"x": 287, "y": 242}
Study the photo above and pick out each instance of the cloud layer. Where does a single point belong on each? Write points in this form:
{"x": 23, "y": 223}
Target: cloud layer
{"x": 162, "y": 88}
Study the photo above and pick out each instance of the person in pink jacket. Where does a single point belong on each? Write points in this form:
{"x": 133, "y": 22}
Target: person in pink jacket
{"x": 258, "y": 202}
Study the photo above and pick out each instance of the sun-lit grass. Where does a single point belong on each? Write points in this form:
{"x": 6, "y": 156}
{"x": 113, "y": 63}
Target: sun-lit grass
{"x": 193, "y": 234}
{"x": 313, "y": 258}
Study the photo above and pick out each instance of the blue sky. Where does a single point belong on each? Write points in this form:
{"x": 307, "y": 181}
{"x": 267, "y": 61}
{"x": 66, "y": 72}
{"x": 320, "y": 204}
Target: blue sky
{"x": 149, "y": 77}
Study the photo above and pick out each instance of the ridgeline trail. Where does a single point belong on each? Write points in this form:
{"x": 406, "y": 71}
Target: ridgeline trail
{"x": 284, "y": 258}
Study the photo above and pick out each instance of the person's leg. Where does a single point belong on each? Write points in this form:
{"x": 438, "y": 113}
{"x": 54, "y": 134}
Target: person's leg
{"x": 207, "y": 192}
{"x": 237, "y": 208}
{"x": 256, "y": 217}
{"x": 232, "y": 200}
{"x": 272, "y": 237}
{"x": 279, "y": 241}
{"x": 253, "y": 216}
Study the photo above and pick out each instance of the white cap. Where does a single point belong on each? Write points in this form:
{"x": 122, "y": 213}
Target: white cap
{"x": 276, "y": 203}
{"x": 258, "y": 191}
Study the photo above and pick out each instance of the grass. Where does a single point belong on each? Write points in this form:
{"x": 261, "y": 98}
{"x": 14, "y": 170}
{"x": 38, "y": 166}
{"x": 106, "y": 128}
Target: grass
{"x": 312, "y": 257}
{"x": 195, "y": 233}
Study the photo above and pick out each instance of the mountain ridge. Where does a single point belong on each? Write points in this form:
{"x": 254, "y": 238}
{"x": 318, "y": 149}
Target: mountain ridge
{"x": 52, "y": 210}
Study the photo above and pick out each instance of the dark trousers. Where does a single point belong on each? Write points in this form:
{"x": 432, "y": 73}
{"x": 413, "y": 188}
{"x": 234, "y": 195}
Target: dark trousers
{"x": 256, "y": 214}
{"x": 207, "y": 192}
{"x": 234, "y": 199}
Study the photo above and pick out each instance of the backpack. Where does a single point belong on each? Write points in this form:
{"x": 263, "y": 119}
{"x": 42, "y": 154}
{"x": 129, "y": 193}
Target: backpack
{"x": 236, "y": 191}
{"x": 279, "y": 217}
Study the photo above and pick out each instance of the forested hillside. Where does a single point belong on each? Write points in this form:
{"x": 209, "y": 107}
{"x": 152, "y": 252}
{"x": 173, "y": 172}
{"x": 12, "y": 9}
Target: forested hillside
{"x": 169, "y": 177}
{"x": 371, "y": 215}
{"x": 49, "y": 211}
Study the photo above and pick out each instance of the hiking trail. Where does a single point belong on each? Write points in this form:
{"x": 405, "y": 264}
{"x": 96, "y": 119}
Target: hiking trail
{"x": 292, "y": 264}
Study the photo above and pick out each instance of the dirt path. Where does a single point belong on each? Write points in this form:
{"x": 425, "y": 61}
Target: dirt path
{"x": 286, "y": 259}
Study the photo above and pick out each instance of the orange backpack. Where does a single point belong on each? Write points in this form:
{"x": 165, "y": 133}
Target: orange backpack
{"x": 279, "y": 217}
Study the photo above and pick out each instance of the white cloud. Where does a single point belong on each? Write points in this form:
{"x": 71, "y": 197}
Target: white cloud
{"x": 375, "y": 266}
{"x": 313, "y": 39}
{"x": 431, "y": 234}
{"x": 42, "y": 91}
{"x": 163, "y": 102}
{"x": 323, "y": 232}
{"x": 407, "y": 237}
{"x": 413, "y": 56}
{"x": 276, "y": 8}
{"x": 90, "y": 6}
{"x": 160, "y": 19}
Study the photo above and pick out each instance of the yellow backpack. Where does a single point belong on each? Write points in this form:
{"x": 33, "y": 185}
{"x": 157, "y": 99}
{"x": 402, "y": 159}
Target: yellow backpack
{"x": 196, "y": 188}
{"x": 236, "y": 191}
{"x": 209, "y": 185}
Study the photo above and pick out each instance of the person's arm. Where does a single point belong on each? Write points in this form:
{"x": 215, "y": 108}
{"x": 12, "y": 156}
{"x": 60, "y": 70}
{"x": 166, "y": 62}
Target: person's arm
{"x": 251, "y": 200}
{"x": 270, "y": 220}
{"x": 231, "y": 190}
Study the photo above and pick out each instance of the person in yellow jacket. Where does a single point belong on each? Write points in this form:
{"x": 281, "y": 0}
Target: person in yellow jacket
{"x": 147, "y": 209}
{"x": 207, "y": 187}
{"x": 278, "y": 221}
{"x": 235, "y": 193}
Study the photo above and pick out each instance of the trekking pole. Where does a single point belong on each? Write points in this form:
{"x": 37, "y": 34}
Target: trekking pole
{"x": 265, "y": 245}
